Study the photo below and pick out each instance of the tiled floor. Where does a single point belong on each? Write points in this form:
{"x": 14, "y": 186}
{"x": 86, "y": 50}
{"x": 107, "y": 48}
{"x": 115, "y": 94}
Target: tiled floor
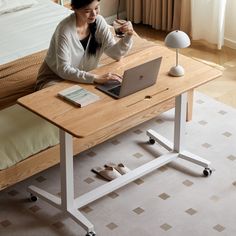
{"x": 174, "y": 200}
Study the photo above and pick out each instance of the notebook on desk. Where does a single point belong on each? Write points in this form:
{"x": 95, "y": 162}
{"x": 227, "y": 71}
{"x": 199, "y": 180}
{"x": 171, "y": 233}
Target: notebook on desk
{"x": 134, "y": 79}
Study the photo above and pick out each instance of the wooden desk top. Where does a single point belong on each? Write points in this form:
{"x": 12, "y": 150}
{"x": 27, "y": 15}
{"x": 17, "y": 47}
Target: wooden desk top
{"x": 109, "y": 112}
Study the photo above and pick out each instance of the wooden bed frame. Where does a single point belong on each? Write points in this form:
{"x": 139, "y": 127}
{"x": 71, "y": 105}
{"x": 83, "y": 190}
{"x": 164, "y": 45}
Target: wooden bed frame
{"x": 22, "y": 81}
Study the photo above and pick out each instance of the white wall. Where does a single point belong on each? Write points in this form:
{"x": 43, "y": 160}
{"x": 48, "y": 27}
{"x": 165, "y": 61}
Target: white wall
{"x": 109, "y": 7}
{"x": 230, "y": 24}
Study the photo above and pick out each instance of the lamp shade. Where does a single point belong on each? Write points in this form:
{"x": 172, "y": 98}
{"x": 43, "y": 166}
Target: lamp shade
{"x": 177, "y": 39}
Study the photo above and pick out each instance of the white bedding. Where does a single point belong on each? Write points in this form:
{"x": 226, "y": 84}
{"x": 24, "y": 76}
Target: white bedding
{"x": 29, "y": 30}
{"x": 7, "y": 6}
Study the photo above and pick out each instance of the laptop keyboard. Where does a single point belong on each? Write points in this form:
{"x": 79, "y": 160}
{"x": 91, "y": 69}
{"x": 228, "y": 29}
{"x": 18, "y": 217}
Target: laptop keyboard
{"x": 115, "y": 90}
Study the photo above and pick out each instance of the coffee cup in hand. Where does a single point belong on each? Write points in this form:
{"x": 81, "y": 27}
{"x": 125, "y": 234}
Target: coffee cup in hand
{"x": 117, "y": 24}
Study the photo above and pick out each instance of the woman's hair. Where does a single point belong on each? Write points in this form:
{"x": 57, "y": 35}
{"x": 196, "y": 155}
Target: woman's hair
{"x": 94, "y": 44}
{"x": 77, "y": 4}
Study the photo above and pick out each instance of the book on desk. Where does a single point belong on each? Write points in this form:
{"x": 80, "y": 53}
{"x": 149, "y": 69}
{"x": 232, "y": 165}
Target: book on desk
{"x": 78, "y": 96}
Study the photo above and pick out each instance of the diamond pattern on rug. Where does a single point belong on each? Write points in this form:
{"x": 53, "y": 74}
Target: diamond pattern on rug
{"x": 86, "y": 209}
{"x": 202, "y": 122}
{"x": 40, "y": 179}
{"x": 215, "y": 198}
{"x": 219, "y": 228}
{"x": 113, "y": 195}
{"x": 166, "y": 227}
{"x": 188, "y": 183}
{"x": 206, "y": 145}
{"x": 164, "y": 196}
{"x": 227, "y": 134}
{"x": 89, "y": 180}
{"x": 138, "y": 155}
{"x": 231, "y": 157}
{"x": 191, "y": 211}
{"x": 138, "y": 131}
{"x": 91, "y": 154}
{"x": 111, "y": 226}
{"x": 138, "y": 210}
{"x": 138, "y": 181}
{"x": 115, "y": 142}
{"x": 160, "y": 121}
{"x": 222, "y": 112}
{"x": 35, "y": 208}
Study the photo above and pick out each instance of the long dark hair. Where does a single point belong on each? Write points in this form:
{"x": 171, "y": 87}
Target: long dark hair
{"x": 93, "y": 44}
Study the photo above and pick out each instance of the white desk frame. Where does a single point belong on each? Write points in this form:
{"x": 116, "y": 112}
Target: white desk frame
{"x": 69, "y": 205}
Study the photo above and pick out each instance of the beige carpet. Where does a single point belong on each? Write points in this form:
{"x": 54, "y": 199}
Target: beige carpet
{"x": 175, "y": 200}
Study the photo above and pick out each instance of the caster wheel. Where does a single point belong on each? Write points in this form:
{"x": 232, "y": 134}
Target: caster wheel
{"x": 207, "y": 172}
{"x": 151, "y": 141}
{"x": 91, "y": 234}
{"x": 33, "y": 198}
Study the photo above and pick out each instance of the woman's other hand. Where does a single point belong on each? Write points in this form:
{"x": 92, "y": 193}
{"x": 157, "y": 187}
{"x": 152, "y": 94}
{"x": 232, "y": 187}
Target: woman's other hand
{"x": 127, "y": 28}
{"x": 101, "y": 79}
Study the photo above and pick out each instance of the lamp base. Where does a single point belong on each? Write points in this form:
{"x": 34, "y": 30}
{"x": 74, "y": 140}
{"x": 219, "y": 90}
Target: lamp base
{"x": 176, "y": 71}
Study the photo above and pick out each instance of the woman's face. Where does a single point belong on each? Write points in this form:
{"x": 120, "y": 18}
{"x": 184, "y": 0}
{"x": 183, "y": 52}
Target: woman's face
{"x": 88, "y": 13}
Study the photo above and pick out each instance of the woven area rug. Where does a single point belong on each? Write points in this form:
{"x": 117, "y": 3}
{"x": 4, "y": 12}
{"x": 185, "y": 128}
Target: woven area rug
{"x": 174, "y": 200}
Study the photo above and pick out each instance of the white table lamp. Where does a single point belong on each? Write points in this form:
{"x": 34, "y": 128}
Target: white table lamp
{"x": 177, "y": 39}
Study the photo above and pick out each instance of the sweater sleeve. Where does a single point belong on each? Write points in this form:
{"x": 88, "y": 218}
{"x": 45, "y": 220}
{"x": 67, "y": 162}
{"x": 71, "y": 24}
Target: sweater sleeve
{"x": 112, "y": 48}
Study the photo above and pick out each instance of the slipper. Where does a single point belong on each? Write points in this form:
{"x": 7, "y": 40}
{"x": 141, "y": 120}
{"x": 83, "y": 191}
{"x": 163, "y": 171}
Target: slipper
{"x": 108, "y": 173}
{"x": 121, "y": 168}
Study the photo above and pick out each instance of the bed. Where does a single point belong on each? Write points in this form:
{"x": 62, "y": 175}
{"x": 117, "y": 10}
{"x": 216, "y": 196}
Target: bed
{"x": 23, "y": 152}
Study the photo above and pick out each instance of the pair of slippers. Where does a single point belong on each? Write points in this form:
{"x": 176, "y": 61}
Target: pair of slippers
{"x": 111, "y": 171}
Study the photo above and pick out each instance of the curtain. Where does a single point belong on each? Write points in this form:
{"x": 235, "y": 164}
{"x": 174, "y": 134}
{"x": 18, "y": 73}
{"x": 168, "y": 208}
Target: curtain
{"x": 208, "y": 18}
{"x": 134, "y": 10}
{"x": 164, "y": 15}
{"x": 185, "y": 16}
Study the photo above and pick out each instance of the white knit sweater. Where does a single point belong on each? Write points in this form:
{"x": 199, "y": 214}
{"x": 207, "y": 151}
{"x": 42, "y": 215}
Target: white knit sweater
{"x": 67, "y": 58}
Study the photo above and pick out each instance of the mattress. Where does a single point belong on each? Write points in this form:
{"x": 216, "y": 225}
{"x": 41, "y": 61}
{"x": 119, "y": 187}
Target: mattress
{"x": 23, "y": 134}
{"x": 29, "y": 30}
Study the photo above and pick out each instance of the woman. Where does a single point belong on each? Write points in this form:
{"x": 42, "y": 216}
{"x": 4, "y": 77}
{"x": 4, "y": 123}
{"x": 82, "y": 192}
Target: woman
{"x": 77, "y": 45}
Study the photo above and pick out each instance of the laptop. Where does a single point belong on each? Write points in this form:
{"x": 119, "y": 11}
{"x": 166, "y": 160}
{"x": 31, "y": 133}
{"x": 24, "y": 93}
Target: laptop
{"x": 134, "y": 79}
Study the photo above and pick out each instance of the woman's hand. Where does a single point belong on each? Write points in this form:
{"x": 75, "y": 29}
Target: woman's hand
{"x": 127, "y": 28}
{"x": 101, "y": 79}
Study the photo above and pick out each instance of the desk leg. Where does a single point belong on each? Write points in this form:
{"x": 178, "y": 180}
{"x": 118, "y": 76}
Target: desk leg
{"x": 179, "y": 133}
{"x": 66, "y": 170}
{"x": 180, "y": 121}
{"x": 67, "y": 201}
{"x": 67, "y": 181}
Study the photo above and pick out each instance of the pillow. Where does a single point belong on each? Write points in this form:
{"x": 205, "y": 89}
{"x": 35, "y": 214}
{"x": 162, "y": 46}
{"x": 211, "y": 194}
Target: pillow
{"x": 7, "y": 6}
